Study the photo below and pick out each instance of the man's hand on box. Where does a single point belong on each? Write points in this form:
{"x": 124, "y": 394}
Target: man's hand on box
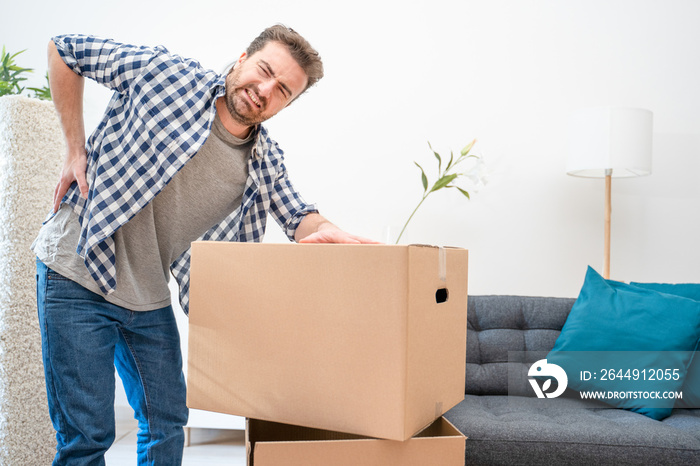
{"x": 336, "y": 236}
{"x": 314, "y": 228}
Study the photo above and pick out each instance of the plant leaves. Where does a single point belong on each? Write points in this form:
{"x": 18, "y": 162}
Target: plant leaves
{"x": 11, "y": 74}
{"x": 444, "y": 181}
{"x": 424, "y": 179}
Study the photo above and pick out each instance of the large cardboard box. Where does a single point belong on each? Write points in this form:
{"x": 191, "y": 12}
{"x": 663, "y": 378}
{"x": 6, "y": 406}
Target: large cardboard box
{"x": 363, "y": 339}
{"x": 274, "y": 444}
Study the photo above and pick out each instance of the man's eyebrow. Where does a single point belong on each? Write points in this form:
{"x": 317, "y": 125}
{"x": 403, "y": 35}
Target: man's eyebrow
{"x": 272, "y": 73}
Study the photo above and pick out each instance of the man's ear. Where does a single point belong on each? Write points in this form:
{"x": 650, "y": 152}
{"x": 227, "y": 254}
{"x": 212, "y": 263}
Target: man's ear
{"x": 240, "y": 60}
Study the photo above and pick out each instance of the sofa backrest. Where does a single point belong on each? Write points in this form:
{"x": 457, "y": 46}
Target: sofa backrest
{"x": 521, "y": 325}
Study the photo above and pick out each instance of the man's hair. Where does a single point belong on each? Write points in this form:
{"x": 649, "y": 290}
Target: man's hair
{"x": 305, "y": 55}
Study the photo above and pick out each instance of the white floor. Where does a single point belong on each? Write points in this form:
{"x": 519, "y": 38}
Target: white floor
{"x": 207, "y": 447}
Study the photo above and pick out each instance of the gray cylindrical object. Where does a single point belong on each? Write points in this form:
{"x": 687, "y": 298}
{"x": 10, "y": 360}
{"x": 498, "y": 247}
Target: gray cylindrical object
{"x": 31, "y": 154}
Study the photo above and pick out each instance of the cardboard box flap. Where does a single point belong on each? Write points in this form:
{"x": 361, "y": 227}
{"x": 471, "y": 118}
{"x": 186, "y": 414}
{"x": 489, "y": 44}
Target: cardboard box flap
{"x": 272, "y": 444}
{"x": 268, "y": 431}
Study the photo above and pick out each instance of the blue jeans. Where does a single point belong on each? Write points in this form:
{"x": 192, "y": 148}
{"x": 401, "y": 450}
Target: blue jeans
{"x": 83, "y": 338}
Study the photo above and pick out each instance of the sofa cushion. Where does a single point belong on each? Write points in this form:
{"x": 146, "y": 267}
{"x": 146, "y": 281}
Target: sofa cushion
{"x": 687, "y": 290}
{"x": 522, "y": 430}
{"x": 611, "y": 318}
{"x": 691, "y": 385}
{"x": 497, "y": 325}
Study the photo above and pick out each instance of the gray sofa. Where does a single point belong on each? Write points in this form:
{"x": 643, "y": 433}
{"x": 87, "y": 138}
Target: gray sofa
{"x": 507, "y": 424}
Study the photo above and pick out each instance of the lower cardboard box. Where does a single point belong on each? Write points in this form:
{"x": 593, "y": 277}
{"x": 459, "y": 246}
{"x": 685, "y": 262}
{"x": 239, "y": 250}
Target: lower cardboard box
{"x": 275, "y": 444}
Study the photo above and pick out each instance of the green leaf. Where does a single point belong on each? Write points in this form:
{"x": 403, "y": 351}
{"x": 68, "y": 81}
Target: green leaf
{"x": 444, "y": 181}
{"x": 468, "y": 147}
{"x": 449, "y": 164}
{"x": 13, "y": 56}
{"x": 466, "y": 194}
{"x": 424, "y": 179}
{"x": 463, "y": 192}
{"x": 437, "y": 156}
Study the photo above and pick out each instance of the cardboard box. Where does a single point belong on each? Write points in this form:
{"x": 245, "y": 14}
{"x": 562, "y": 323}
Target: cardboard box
{"x": 274, "y": 444}
{"x": 364, "y": 339}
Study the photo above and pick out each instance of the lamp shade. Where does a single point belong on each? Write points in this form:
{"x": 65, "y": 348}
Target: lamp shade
{"x": 610, "y": 138}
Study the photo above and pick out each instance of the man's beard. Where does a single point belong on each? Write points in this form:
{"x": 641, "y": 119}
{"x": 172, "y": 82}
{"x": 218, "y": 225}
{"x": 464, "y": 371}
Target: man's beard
{"x": 241, "y": 110}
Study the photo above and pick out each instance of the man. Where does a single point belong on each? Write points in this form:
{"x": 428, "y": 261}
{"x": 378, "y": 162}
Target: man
{"x": 180, "y": 155}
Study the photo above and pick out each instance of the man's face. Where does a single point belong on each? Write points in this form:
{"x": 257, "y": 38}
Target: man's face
{"x": 262, "y": 84}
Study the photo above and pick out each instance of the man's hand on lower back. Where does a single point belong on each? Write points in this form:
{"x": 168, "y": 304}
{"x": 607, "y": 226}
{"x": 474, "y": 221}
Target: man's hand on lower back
{"x": 73, "y": 171}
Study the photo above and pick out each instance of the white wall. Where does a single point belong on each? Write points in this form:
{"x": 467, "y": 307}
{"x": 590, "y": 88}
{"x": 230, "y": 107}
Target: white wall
{"x": 506, "y": 72}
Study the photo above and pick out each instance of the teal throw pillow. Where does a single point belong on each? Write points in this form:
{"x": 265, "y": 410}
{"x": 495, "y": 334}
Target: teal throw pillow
{"x": 691, "y": 386}
{"x": 628, "y": 343}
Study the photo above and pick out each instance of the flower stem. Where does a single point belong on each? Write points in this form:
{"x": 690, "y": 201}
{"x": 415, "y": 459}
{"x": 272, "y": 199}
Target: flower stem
{"x": 409, "y": 218}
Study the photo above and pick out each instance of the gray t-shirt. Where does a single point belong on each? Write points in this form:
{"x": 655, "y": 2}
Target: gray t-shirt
{"x": 207, "y": 189}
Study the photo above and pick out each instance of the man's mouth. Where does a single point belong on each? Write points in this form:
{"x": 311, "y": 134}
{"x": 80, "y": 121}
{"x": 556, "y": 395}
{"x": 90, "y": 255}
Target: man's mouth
{"x": 253, "y": 97}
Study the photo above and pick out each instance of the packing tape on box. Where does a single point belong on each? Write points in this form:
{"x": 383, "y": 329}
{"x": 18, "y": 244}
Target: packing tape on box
{"x": 442, "y": 264}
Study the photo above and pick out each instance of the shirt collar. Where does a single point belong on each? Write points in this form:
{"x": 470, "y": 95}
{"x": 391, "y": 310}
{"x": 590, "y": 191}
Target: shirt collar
{"x": 260, "y": 147}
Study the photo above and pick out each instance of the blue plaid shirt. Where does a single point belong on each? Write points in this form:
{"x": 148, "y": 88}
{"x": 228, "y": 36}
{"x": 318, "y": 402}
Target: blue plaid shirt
{"x": 158, "y": 118}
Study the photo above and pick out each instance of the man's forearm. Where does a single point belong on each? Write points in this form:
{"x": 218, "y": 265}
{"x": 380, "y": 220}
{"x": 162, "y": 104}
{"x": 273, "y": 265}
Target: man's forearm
{"x": 67, "y": 94}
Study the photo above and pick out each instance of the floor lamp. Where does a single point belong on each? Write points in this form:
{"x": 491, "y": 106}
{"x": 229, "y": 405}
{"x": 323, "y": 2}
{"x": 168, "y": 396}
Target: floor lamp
{"x": 610, "y": 142}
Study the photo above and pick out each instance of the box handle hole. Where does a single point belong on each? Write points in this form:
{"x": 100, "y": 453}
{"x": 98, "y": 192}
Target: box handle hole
{"x": 441, "y": 295}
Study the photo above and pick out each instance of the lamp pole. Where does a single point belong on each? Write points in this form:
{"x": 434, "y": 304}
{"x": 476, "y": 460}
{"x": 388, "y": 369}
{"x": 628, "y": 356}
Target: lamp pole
{"x": 608, "y": 212}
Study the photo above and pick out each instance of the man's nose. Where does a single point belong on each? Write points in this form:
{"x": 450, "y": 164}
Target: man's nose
{"x": 266, "y": 87}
